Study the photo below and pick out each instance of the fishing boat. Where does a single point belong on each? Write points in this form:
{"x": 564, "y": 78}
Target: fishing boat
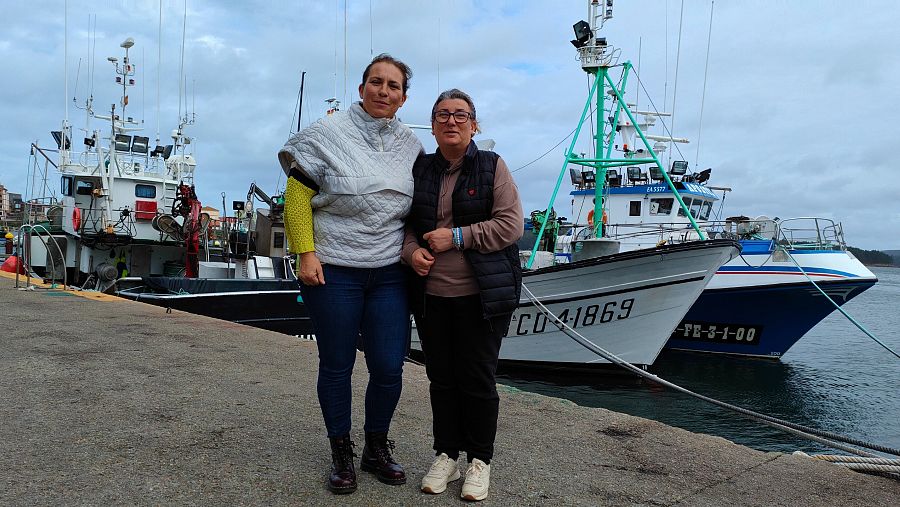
{"x": 253, "y": 282}
{"x": 625, "y": 302}
{"x": 124, "y": 207}
{"x": 128, "y": 222}
{"x": 759, "y": 303}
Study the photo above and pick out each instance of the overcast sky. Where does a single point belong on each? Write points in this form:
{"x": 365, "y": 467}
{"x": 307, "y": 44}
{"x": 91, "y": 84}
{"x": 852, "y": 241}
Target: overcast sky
{"x": 799, "y": 119}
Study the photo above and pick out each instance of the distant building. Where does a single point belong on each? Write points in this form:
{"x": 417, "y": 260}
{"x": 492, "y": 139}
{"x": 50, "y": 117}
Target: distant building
{"x": 16, "y": 208}
{"x": 4, "y": 203}
{"x": 212, "y": 212}
{"x": 11, "y": 208}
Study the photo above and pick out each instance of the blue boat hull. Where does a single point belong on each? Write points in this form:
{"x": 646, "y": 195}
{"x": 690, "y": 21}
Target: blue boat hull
{"x": 760, "y": 321}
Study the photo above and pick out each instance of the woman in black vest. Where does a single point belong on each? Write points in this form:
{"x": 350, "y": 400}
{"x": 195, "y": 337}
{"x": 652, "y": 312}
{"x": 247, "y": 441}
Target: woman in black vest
{"x": 461, "y": 240}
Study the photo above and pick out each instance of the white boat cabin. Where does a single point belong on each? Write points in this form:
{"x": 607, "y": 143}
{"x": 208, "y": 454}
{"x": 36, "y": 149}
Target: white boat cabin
{"x": 639, "y": 208}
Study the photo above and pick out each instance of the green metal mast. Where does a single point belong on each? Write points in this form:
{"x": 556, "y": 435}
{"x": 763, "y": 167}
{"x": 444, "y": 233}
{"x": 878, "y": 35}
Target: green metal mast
{"x": 596, "y": 59}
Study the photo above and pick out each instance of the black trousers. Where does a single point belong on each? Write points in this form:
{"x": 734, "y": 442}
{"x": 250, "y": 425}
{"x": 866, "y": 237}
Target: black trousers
{"x": 461, "y": 350}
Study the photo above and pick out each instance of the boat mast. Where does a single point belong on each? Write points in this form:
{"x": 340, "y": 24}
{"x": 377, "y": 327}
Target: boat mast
{"x": 119, "y": 124}
{"x": 597, "y": 57}
{"x": 63, "y": 149}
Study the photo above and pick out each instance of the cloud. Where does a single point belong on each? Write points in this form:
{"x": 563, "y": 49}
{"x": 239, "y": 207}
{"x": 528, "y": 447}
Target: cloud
{"x": 797, "y": 118}
{"x": 214, "y": 44}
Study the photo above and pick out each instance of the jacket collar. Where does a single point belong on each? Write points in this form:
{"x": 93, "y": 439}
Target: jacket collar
{"x": 368, "y": 124}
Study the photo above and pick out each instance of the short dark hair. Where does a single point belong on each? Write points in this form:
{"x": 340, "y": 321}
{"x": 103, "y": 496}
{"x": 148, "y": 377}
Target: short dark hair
{"x": 384, "y": 57}
{"x": 453, "y": 93}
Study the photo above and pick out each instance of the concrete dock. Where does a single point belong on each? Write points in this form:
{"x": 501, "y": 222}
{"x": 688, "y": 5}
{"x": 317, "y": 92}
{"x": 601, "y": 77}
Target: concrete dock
{"x": 106, "y": 401}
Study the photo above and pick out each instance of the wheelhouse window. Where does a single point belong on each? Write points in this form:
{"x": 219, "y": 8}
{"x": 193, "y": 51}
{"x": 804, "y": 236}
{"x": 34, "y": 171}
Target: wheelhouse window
{"x": 634, "y": 208}
{"x": 695, "y": 207}
{"x": 687, "y": 203}
{"x": 145, "y": 191}
{"x": 705, "y": 210}
{"x": 65, "y": 186}
{"x": 661, "y": 206}
{"x": 84, "y": 187}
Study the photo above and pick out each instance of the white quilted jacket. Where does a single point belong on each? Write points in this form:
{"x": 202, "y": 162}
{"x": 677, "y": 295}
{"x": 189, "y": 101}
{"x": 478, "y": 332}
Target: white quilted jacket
{"x": 363, "y": 167}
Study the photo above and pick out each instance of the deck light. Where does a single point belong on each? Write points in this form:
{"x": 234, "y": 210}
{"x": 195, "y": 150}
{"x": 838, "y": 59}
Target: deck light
{"x": 589, "y": 178}
{"x": 582, "y": 33}
{"x": 140, "y": 144}
{"x": 123, "y": 142}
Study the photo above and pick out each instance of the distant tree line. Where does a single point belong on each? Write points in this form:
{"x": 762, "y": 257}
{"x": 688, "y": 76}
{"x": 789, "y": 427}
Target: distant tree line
{"x": 873, "y": 257}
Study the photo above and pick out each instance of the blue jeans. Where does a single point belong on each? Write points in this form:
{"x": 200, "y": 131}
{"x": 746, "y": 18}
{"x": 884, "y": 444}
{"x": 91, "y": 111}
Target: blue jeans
{"x": 367, "y": 306}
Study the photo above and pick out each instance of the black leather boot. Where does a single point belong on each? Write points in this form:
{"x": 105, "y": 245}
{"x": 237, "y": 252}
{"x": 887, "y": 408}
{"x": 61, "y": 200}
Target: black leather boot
{"x": 343, "y": 472}
{"x": 376, "y": 458}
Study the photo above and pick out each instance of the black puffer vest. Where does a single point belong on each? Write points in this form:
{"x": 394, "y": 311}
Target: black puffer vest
{"x": 499, "y": 274}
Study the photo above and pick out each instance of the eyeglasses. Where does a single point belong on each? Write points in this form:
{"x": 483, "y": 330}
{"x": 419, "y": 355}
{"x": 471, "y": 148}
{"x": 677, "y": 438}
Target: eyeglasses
{"x": 443, "y": 116}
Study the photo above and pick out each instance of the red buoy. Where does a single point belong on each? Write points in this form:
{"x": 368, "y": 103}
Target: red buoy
{"x": 10, "y": 265}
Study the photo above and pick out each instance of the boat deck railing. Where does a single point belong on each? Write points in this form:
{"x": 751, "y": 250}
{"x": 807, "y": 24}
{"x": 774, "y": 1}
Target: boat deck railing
{"x": 801, "y": 233}
{"x": 811, "y": 233}
{"x": 44, "y": 211}
{"x": 129, "y": 164}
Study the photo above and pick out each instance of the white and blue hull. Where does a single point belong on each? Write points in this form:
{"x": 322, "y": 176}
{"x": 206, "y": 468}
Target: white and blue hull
{"x": 761, "y": 303}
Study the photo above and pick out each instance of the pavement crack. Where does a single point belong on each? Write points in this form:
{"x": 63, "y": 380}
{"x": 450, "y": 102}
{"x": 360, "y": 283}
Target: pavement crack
{"x": 727, "y": 479}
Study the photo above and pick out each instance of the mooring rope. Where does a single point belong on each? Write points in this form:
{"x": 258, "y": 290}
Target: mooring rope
{"x": 884, "y": 466}
{"x": 772, "y": 421}
{"x": 857, "y": 459}
{"x": 851, "y": 319}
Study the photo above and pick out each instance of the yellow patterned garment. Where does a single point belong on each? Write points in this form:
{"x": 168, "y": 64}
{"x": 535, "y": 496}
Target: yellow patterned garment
{"x": 298, "y": 219}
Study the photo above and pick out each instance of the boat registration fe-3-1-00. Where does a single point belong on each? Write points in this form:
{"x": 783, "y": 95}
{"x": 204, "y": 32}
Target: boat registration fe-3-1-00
{"x": 705, "y": 331}
{"x": 580, "y": 316}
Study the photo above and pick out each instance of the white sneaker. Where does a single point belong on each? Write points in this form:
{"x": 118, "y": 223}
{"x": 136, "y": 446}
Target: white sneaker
{"x": 442, "y": 471}
{"x": 478, "y": 478}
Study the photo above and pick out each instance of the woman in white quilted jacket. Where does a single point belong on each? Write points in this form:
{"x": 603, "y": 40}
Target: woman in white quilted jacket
{"x": 349, "y": 189}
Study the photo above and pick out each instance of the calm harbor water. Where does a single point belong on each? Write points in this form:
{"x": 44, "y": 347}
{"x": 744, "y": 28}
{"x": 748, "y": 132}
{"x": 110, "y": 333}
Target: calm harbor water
{"x": 836, "y": 378}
